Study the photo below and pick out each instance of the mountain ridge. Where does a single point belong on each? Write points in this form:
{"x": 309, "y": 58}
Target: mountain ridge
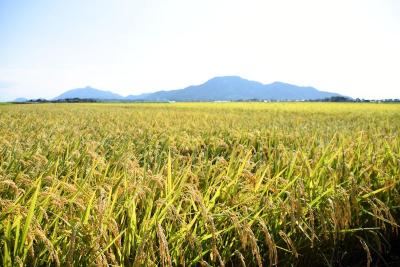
{"x": 221, "y": 88}
{"x": 89, "y": 93}
{"x": 231, "y": 88}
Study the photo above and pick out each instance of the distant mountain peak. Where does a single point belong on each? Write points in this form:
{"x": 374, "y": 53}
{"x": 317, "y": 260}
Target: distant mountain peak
{"x": 220, "y": 88}
{"x": 225, "y": 79}
{"x": 20, "y": 99}
{"x": 231, "y": 88}
{"x": 228, "y": 77}
{"x": 89, "y": 93}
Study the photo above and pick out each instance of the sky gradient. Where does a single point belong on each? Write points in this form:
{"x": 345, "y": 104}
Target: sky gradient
{"x": 130, "y": 47}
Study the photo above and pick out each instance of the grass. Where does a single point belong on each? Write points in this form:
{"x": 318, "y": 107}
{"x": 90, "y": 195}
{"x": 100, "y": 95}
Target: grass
{"x": 199, "y": 184}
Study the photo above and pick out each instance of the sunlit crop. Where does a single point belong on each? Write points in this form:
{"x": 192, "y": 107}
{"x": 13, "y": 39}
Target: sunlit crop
{"x": 255, "y": 184}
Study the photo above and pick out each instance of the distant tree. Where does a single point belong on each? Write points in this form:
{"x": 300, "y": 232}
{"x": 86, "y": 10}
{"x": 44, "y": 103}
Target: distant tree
{"x": 338, "y": 99}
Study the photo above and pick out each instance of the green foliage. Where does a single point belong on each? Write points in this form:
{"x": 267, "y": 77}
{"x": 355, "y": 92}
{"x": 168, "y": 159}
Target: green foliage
{"x": 197, "y": 183}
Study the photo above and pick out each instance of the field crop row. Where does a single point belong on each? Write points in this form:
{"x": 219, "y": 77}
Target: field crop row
{"x": 252, "y": 184}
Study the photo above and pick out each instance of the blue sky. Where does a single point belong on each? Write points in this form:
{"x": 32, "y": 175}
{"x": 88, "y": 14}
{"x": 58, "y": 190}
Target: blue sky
{"x": 130, "y": 47}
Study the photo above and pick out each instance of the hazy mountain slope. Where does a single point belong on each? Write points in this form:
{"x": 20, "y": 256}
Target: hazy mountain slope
{"x": 236, "y": 88}
{"x": 226, "y": 88}
{"x": 21, "y": 99}
{"x": 89, "y": 93}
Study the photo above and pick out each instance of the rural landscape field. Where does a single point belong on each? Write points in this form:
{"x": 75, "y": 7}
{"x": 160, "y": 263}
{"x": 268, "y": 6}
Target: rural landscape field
{"x": 199, "y": 184}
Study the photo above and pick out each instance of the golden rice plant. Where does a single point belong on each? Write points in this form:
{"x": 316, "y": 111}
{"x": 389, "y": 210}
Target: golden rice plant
{"x": 199, "y": 184}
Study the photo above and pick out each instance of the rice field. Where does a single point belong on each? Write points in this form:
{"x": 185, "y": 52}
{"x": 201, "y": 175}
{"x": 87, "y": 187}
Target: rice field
{"x": 199, "y": 184}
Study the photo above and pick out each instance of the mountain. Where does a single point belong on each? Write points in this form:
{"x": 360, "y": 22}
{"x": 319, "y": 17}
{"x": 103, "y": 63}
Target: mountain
{"x": 225, "y": 88}
{"x": 20, "y": 100}
{"x": 230, "y": 88}
{"x": 89, "y": 93}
